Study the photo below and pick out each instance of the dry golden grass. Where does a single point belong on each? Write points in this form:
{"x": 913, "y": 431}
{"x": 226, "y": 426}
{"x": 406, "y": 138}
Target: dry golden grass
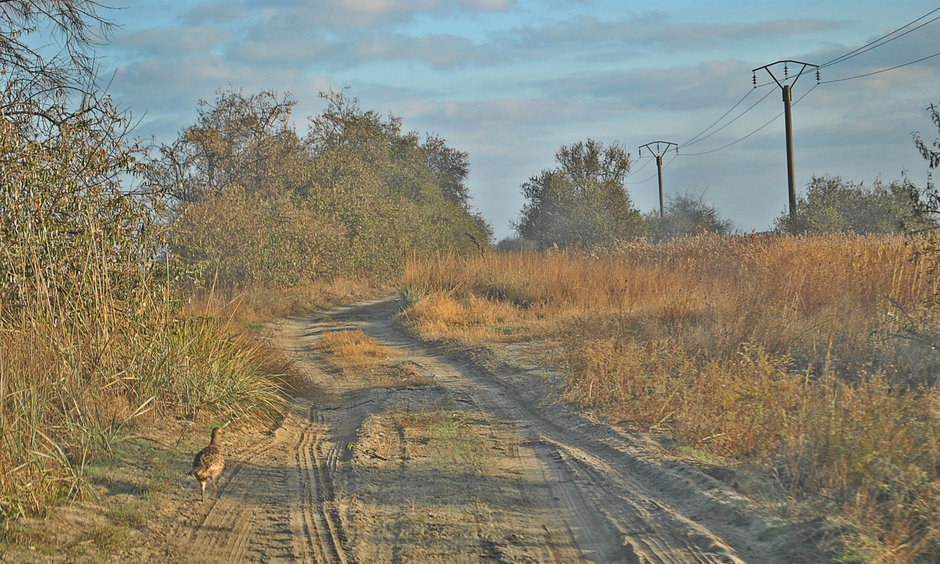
{"x": 475, "y": 317}
{"x": 71, "y": 387}
{"x": 354, "y": 347}
{"x": 810, "y": 355}
{"x": 262, "y": 303}
{"x": 357, "y": 355}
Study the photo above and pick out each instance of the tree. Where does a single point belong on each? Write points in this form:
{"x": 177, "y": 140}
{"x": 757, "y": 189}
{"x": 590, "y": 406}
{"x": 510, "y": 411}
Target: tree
{"x": 238, "y": 141}
{"x": 836, "y": 205}
{"x": 931, "y": 155}
{"x": 927, "y": 201}
{"x": 48, "y": 69}
{"x": 688, "y": 215}
{"x": 64, "y": 154}
{"x": 258, "y": 204}
{"x": 392, "y": 190}
{"x": 582, "y": 202}
{"x": 450, "y": 166}
{"x": 64, "y": 217}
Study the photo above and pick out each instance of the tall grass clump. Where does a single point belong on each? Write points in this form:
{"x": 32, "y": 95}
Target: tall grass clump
{"x": 91, "y": 339}
{"x": 812, "y": 356}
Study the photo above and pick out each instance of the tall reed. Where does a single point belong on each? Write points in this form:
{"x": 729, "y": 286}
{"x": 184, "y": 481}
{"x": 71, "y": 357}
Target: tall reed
{"x": 91, "y": 336}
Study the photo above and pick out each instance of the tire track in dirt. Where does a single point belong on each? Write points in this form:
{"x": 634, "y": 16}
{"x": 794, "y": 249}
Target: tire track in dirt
{"x": 224, "y": 527}
{"x": 344, "y": 480}
{"x": 533, "y": 534}
{"x": 251, "y": 516}
{"x": 623, "y": 502}
{"x": 318, "y": 523}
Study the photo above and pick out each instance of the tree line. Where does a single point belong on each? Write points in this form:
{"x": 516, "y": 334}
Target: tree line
{"x": 252, "y": 201}
{"x": 583, "y": 203}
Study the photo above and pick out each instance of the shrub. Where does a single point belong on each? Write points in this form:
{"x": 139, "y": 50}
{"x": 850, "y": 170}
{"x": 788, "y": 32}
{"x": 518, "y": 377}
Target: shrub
{"x": 582, "y": 202}
{"x": 835, "y": 205}
{"x": 686, "y": 215}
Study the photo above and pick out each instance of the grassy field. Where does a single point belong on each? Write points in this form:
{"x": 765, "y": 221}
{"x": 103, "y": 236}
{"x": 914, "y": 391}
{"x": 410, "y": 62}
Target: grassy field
{"x": 809, "y": 360}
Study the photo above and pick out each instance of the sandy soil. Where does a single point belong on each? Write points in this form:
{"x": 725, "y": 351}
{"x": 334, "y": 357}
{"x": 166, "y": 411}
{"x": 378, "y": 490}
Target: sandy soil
{"x": 477, "y": 462}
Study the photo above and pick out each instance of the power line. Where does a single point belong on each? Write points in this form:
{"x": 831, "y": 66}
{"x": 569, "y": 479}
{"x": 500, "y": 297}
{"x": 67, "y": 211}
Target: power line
{"x": 698, "y": 137}
{"x": 786, "y": 87}
{"x": 708, "y": 132}
{"x": 883, "y": 40}
{"x": 736, "y": 141}
{"x": 739, "y": 116}
{"x": 882, "y": 70}
{"x": 736, "y": 104}
{"x": 669, "y": 162}
{"x": 886, "y": 42}
{"x": 647, "y": 179}
{"x": 642, "y": 166}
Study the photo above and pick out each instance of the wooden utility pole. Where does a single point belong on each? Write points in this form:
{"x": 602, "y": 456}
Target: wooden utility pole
{"x": 661, "y": 148}
{"x": 787, "y": 100}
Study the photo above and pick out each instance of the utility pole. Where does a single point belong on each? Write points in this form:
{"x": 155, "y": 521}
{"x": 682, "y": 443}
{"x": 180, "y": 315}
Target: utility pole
{"x": 661, "y": 148}
{"x": 787, "y": 99}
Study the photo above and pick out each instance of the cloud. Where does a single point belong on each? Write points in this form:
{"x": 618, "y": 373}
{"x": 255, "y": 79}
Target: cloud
{"x": 340, "y": 13}
{"x": 435, "y": 51}
{"x": 843, "y": 61}
{"x": 218, "y": 12}
{"x": 338, "y": 33}
{"x": 650, "y": 32}
{"x": 168, "y": 90}
{"x": 174, "y": 40}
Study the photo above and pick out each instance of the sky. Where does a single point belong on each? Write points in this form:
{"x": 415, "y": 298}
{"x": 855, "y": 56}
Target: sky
{"x": 511, "y": 81}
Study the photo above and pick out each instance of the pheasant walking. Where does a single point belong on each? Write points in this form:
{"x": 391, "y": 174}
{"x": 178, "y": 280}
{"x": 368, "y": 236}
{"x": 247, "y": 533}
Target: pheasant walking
{"x": 209, "y": 462}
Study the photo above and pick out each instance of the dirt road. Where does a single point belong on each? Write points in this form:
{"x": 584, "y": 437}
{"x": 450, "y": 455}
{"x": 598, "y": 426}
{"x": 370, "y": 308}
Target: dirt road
{"x": 475, "y": 462}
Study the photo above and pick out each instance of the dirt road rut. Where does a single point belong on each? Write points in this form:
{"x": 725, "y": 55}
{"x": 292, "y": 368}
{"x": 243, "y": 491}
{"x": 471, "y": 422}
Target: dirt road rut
{"x": 474, "y": 463}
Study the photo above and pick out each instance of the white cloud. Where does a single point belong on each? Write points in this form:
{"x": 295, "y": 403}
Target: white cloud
{"x": 340, "y": 13}
{"x": 174, "y": 41}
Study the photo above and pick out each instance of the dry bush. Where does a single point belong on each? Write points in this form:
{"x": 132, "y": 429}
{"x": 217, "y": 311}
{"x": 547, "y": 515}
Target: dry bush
{"x": 443, "y": 317}
{"x": 872, "y": 451}
{"x": 813, "y": 355}
{"x": 257, "y": 204}
{"x": 250, "y": 239}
